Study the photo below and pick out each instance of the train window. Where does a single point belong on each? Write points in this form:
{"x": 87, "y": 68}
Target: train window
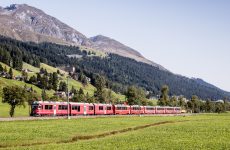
{"x": 48, "y": 107}
{"x": 77, "y": 108}
{"x": 149, "y": 108}
{"x": 90, "y": 107}
{"x": 109, "y": 108}
{"x": 160, "y": 108}
{"x": 169, "y": 108}
{"x": 124, "y": 108}
{"x": 62, "y": 107}
{"x": 100, "y": 107}
{"x": 121, "y": 108}
{"x": 177, "y": 108}
{"x": 136, "y": 108}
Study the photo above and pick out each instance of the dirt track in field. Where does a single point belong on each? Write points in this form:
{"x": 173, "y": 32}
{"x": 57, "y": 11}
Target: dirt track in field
{"x": 89, "y": 137}
{"x": 102, "y": 135}
{"x": 81, "y": 116}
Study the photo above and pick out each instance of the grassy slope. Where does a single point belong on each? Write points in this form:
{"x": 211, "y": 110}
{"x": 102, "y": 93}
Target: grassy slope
{"x": 76, "y": 84}
{"x": 210, "y": 131}
{"x": 4, "y": 108}
{"x": 15, "y": 72}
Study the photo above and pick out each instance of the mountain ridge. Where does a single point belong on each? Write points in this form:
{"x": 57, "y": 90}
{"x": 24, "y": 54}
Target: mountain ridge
{"x": 32, "y": 24}
{"x": 120, "y": 71}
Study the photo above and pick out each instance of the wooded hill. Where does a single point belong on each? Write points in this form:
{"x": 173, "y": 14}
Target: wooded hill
{"x": 120, "y": 71}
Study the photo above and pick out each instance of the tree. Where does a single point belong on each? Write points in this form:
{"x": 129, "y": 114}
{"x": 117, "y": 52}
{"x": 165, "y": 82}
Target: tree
{"x": 208, "y": 106}
{"x": 63, "y": 86}
{"x": 33, "y": 80}
{"x": 58, "y": 71}
{"x": 11, "y": 73}
{"x": 14, "y": 96}
{"x": 100, "y": 85}
{"x": 1, "y": 68}
{"x": 5, "y": 69}
{"x": 55, "y": 81}
{"x": 182, "y": 102}
{"x": 25, "y": 75}
{"x": 173, "y": 101}
{"x": 17, "y": 62}
{"x": 80, "y": 96}
{"x": 164, "y": 98}
{"x": 135, "y": 96}
{"x": 73, "y": 90}
{"x": 219, "y": 107}
{"x": 44, "y": 95}
{"x": 31, "y": 97}
{"x": 194, "y": 104}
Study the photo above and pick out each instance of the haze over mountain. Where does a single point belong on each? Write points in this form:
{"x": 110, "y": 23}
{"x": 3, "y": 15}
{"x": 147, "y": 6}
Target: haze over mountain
{"x": 26, "y": 23}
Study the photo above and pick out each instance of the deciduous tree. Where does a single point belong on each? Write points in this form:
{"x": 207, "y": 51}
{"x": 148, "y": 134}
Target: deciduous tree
{"x": 14, "y": 96}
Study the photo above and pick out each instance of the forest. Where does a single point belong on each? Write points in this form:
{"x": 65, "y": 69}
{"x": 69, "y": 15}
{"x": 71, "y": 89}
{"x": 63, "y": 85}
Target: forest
{"x": 119, "y": 71}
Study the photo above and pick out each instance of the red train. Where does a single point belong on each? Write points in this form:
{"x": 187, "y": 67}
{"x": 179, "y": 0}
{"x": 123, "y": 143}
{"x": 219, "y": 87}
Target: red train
{"x": 48, "y": 108}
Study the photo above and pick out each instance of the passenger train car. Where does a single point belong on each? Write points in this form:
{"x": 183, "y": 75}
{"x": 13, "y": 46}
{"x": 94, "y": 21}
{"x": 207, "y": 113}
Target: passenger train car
{"x": 49, "y": 108}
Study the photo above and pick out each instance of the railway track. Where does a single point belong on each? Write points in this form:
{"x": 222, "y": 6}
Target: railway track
{"x": 82, "y": 116}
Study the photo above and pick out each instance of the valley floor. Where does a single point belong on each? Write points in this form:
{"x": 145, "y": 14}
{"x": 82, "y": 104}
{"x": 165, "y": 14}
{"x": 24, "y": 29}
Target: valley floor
{"x": 204, "y": 131}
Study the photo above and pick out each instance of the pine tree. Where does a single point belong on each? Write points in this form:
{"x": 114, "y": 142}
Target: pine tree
{"x": 100, "y": 85}
{"x": 1, "y": 68}
{"x": 11, "y": 73}
{"x": 5, "y": 69}
{"x": 55, "y": 81}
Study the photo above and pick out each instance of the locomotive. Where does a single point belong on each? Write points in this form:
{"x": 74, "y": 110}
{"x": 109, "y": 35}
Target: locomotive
{"x": 50, "y": 108}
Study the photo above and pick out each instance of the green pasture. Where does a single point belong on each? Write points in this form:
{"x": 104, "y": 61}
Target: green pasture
{"x": 204, "y": 131}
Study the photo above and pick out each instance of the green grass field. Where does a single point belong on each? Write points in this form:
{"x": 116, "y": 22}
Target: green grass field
{"x": 206, "y": 131}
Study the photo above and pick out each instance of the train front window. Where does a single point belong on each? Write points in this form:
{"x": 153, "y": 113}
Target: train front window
{"x": 34, "y": 107}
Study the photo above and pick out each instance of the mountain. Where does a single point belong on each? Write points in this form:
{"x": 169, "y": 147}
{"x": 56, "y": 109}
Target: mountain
{"x": 109, "y": 45}
{"x": 26, "y": 23}
{"x": 119, "y": 71}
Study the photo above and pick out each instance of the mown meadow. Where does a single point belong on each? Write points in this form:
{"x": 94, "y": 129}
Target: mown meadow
{"x": 204, "y": 131}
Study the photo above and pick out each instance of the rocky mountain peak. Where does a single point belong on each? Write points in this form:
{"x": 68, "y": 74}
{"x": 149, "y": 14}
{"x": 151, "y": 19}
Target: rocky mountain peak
{"x": 27, "y": 23}
{"x": 110, "y": 45}
{"x": 32, "y": 24}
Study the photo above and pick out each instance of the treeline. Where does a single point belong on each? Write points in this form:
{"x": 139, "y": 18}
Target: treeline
{"x": 193, "y": 105}
{"x": 14, "y": 56}
{"x": 121, "y": 72}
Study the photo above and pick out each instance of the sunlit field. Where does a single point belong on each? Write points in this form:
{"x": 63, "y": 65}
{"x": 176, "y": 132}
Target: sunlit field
{"x": 205, "y": 131}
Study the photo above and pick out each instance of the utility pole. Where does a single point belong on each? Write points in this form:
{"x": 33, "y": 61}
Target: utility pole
{"x": 68, "y": 98}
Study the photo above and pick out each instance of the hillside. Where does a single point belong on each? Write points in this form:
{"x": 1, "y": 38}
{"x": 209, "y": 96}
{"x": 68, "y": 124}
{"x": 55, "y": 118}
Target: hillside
{"x": 20, "y": 111}
{"x": 72, "y": 83}
{"x": 26, "y": 23}
{"x": 120, "y": 71}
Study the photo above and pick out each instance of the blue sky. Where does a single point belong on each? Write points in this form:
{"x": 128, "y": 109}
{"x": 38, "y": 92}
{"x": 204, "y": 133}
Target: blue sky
{"x": 188, "y": 37}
